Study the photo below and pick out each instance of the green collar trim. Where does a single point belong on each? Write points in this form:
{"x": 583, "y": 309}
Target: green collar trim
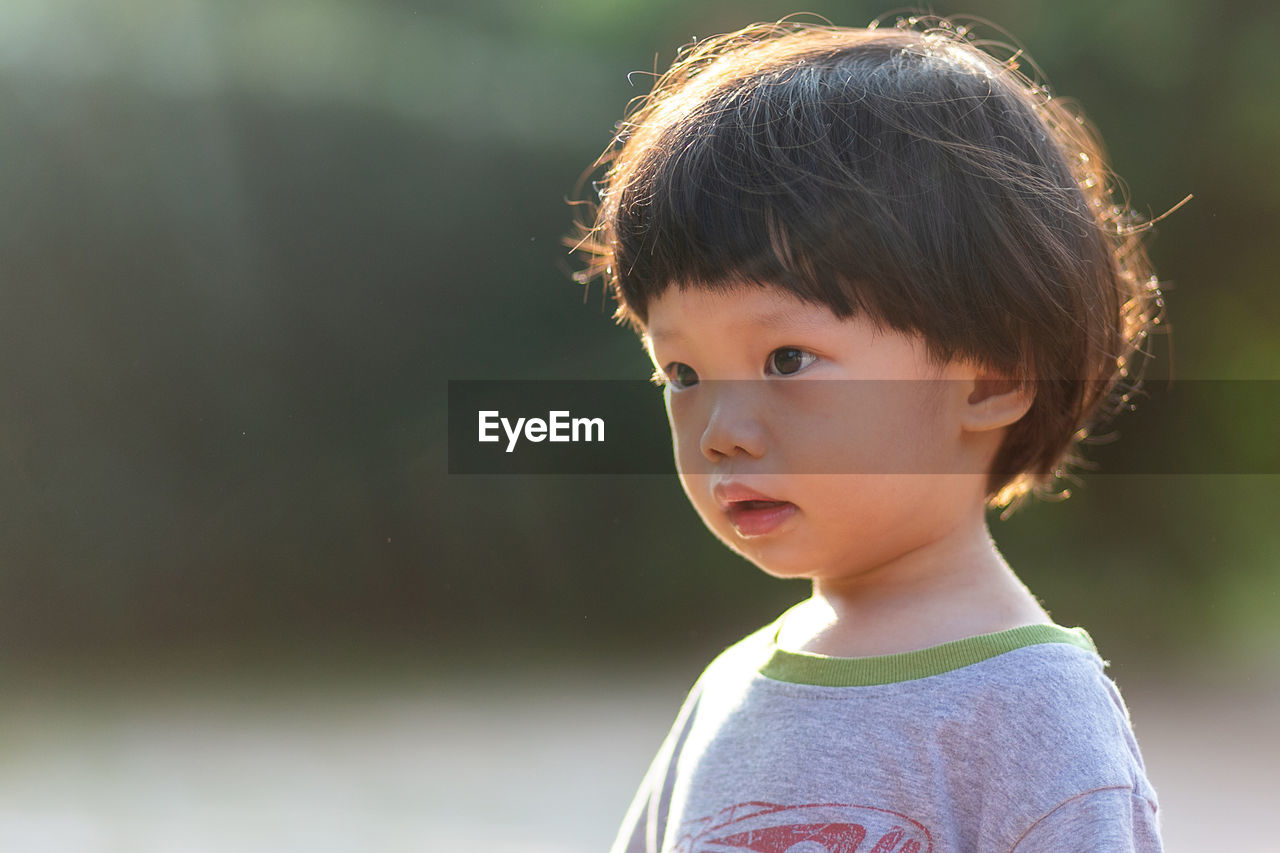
{"x": 825, "y": 671}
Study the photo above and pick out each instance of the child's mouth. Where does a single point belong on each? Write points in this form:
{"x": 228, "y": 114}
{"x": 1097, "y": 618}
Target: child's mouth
{"x": 756, "y": 518}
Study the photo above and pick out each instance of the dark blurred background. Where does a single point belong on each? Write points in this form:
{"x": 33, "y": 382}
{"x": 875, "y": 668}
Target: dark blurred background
{"x": 244, "y": 245}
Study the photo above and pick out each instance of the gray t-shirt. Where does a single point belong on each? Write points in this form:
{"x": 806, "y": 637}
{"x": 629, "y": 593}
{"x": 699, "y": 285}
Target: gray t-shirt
{"x": 1015, "y": 741}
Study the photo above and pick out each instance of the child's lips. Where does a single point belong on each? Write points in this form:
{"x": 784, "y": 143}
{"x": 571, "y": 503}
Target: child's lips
{"x": 756, "y": 518}
{"x": 752, "y": 513}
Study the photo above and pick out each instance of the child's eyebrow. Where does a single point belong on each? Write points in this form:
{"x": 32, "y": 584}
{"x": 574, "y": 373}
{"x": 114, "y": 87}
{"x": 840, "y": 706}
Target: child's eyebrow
{"x": 769, "y": 320}
{"x": 662, "y": 336}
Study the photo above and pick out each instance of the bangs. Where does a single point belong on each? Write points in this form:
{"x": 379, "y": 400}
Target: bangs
{"x": 739, "y": 190}
{"x": 733, "y": 194}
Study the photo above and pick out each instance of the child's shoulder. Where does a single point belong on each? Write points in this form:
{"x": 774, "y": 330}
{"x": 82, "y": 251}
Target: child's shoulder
{"x": 1046, "y": 712}
{"x": 1055, "y": 683}
{"x": 1052, "y": 685}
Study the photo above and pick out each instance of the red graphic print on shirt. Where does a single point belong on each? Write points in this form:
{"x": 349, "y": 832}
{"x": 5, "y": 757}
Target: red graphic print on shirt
{"x": 816, "y": 828}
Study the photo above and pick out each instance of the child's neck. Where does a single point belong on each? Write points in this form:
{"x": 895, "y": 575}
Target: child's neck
{"x": 957, "y": 587}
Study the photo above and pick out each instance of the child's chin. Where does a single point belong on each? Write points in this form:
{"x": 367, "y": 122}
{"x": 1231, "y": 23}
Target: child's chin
{"x": 770, "y": 558}
{"x": 786, "y": 573}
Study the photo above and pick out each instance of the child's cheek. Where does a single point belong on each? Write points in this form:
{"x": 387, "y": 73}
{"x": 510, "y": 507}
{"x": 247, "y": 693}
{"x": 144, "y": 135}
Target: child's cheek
{"x": 686, "y": 432}
{"x": 855, "y": 426}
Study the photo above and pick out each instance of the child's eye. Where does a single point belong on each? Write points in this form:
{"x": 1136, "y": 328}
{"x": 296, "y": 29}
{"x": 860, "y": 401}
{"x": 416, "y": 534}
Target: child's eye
{"x": 785, "y": 361}
{"x": 681, "y": 375}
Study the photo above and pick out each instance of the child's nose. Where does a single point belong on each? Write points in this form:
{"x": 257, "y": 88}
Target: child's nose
{"x": 733, "y": 422}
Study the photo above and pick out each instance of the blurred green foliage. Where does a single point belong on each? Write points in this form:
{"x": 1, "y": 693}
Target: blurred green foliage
{"x": 244, "y": 245}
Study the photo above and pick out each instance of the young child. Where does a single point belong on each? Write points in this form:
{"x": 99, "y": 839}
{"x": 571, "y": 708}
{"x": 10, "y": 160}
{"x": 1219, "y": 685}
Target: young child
{"x": 898, "y": 210}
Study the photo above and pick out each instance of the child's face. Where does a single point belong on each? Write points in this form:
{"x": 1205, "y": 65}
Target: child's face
{"x": 822, "y": 480}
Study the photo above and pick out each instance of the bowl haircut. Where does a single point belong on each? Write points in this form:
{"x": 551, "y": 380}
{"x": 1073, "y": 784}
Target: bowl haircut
{"x": 902, "y": 175}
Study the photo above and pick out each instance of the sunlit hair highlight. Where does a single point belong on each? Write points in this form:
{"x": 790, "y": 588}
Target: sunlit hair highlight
{"x": 906, "y": 174}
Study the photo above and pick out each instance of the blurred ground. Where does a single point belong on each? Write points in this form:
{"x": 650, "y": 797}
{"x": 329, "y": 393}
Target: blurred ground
{"x": 520, "y": 764}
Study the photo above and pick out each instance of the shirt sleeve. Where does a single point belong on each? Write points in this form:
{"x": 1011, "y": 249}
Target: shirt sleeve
{"x": 1108, "y": 820}
{"x": 645, "y": 824}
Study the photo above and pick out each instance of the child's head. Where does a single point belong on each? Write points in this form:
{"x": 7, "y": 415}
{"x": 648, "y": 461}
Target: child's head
{"x": 902, "y": 177}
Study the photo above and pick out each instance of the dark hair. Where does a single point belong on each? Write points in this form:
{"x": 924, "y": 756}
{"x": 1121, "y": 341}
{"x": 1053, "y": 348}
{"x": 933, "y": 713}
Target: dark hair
{"x": 900, "y": 174}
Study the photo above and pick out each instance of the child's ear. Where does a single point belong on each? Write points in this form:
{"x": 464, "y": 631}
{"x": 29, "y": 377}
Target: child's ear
{"x": 995, "y": 401}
